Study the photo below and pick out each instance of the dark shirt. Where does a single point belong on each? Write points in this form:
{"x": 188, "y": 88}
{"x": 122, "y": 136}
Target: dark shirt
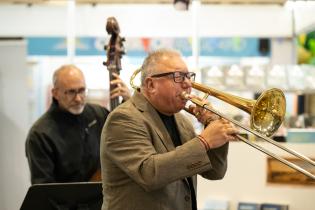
{"x": 170, "y": 124}
{"x": 62, "y": 147}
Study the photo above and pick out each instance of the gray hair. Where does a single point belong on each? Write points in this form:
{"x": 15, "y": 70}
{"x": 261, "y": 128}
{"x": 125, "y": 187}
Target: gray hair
{"x": 151, "y": 62}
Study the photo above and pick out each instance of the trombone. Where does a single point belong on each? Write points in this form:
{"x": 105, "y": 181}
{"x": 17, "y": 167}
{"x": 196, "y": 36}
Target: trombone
{"x": 266, "y": 116}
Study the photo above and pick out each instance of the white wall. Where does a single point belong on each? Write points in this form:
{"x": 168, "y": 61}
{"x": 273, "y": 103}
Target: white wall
{"x": 304, "y": 16}
{"x": 14, "y": 176}
{"x": 147, "y": 20}
{"x": 283, "y": 51}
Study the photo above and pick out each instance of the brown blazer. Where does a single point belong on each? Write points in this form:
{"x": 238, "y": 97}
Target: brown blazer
{"x": 141, "y": 168}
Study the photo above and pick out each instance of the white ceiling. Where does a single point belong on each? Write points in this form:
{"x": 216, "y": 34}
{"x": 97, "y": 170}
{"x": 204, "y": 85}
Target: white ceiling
{"x": 214, "y": 20}
{"x": 146, "y": 1}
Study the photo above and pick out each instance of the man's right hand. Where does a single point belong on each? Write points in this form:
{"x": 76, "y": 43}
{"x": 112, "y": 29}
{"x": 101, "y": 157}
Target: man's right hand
{"x": 219, "y": 132}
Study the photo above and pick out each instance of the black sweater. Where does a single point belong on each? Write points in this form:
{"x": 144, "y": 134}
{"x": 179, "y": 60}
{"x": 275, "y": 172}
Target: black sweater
{"x": 62, "y": 147}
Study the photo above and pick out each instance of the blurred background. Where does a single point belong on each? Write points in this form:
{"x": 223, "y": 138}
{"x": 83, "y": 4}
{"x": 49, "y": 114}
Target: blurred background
{"x": 242, "y": 47}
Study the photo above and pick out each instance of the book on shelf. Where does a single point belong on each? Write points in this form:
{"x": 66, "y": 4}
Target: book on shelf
{"x": 212, "y": 204}
{"x": 273, "y": 206}
{"x": 248, "y": 206}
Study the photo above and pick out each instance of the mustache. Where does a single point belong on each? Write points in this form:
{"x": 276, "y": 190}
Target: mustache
{"x": 75, "y": 103}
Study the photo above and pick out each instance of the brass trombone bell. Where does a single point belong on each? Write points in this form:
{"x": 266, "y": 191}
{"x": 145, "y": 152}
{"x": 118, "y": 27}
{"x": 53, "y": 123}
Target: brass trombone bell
{"x": 266, "y": 113}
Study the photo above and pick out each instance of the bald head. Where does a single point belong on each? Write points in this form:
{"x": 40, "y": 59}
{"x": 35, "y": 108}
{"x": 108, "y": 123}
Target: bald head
{"x": 65, "y": 73}
{"x": 69, "y": 88}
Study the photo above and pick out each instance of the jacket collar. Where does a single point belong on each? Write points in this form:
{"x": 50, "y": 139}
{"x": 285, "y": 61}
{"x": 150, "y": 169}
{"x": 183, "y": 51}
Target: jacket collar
{"x": 150, "y": 113}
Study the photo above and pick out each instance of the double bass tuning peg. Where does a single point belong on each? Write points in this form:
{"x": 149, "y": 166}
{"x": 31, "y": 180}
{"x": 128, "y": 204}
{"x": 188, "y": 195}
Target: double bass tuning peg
{"x": 121, "y": 40}
{"x": 122, "y": 52}
{"x": 105, "y": 63}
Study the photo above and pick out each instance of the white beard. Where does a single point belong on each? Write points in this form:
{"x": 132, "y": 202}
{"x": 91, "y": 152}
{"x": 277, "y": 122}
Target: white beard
{"x": 76, "y": 110}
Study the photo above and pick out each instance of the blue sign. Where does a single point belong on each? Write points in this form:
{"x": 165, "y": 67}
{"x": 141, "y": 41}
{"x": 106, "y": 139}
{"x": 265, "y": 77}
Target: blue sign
{"x": 223, "y": 47}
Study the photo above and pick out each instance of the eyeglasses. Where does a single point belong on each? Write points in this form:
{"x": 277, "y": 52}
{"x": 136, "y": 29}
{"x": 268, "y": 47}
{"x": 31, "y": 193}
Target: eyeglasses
{"x": 72, "y": 93}
{"x": 178, "y": 76}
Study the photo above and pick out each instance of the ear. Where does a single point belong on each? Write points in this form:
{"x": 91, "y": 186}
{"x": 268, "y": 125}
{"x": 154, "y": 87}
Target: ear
{"x": 150, "y": 84}
{"x": 54, "y": 93}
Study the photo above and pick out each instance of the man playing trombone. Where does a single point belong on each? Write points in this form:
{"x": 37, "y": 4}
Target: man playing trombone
{"x": 150, "y": 153}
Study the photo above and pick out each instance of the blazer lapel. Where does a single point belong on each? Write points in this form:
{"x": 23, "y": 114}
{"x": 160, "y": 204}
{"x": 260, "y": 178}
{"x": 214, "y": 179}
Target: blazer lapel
{"x": 151, "y": 114}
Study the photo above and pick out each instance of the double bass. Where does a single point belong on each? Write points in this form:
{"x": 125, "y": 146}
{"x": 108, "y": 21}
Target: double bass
{"x": 115, "y": 50}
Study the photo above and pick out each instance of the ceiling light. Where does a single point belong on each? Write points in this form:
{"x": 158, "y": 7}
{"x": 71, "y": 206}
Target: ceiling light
{"x": 181, "y": 4}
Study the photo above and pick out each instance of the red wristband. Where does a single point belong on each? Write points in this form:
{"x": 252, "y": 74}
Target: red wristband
{"x": 204, "y": 142}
